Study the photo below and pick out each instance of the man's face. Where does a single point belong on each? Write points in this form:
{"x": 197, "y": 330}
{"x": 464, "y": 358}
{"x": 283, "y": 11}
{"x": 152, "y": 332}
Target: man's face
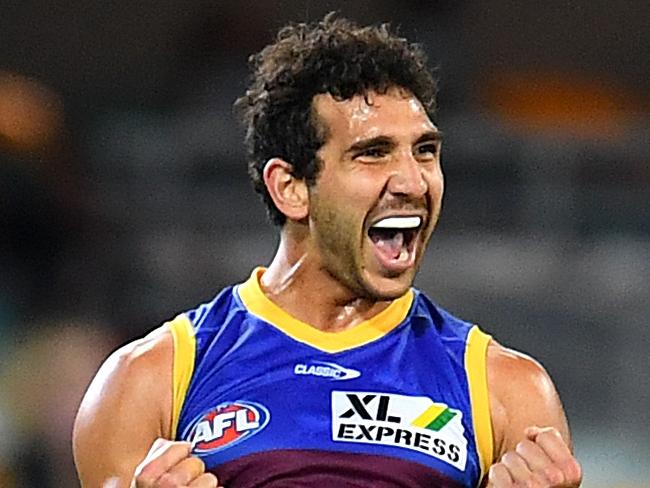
{"x": 378, "y": 195}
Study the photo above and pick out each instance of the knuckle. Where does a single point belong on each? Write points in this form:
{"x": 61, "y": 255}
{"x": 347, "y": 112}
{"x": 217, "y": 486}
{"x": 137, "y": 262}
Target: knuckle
{"x": 206, "y": 480}
{"x": 199, "y": 465}
{"x": 550, "y": 433}
{"x": 169, "y": 480}
{"x": 497, "y": 470}
{"x": 146, "y": 472}
{"x": 177, "y": 447}
{"x": 524, "y": 446}
{"x": 510, "y": 458}
{"x": 554, "y": 474}
{"x": 144, "y": 481}
{"x": 538, "y": 481}
{"x": 574, "y": 470}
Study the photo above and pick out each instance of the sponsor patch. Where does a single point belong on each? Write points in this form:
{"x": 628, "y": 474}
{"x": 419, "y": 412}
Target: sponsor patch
{"x": 323, "y": 369}
{"x": 410, "y": 422}
{"x": 225, "y": 425}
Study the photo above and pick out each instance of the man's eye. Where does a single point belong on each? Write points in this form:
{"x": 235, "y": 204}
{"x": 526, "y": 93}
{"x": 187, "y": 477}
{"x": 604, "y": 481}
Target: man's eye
{"x": 427, "y": 149}
{"x": 373, "y": 152}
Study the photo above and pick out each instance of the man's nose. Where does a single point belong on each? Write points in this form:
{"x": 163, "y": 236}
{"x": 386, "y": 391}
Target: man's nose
{"x": 407, "y": 177}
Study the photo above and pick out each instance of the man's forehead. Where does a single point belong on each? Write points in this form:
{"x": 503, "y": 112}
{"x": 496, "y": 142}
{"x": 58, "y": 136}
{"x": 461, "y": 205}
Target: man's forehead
{"x": 362, "y": 111}
{"x": 366, "y": 103}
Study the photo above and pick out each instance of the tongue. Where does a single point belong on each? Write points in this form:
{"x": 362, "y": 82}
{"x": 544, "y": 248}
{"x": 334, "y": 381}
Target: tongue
{"x": 391, "y": 247}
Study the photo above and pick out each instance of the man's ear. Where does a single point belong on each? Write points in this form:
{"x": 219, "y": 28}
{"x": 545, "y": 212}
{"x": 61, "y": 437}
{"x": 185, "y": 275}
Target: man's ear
{"x": 289, "y": 193}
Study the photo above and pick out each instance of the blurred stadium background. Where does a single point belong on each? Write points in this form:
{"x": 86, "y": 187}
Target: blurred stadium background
{"x": 124, "y": 197}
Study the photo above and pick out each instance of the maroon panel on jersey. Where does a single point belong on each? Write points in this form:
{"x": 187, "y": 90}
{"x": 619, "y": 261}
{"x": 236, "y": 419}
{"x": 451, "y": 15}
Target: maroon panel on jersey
{"x": 325, "y": 469}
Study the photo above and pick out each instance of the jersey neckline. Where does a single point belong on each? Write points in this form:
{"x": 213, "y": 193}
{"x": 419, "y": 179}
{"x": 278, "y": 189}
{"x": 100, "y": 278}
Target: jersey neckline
{"x": 257, "y": 303}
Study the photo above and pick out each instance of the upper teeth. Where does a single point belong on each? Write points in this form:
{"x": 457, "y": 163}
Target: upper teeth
{"x": 398, "y": 223}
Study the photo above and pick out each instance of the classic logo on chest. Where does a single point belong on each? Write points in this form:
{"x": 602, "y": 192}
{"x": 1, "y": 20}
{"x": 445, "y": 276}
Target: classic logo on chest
{"x": 322, "y": 369}
{"x": 225, "y": 425}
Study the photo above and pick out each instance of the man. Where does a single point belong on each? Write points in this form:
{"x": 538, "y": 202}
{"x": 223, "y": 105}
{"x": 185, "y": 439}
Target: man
{"x": 327, "y": 368}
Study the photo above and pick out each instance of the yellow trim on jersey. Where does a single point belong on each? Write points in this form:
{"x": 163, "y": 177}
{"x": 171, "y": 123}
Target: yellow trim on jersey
{"x": 370, "y": 330}
{"x": 476, "y": 367}
{"x": 184, "y": 352}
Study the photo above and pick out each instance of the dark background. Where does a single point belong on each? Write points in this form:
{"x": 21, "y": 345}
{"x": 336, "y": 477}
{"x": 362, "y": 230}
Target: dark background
{"x": 124, "y": 197}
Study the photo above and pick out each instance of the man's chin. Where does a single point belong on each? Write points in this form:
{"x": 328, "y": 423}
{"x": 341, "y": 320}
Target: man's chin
{"x": 384, "y": 288}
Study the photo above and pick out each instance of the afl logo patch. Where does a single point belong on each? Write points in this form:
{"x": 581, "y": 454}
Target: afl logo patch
{"x": 225, "y": 425}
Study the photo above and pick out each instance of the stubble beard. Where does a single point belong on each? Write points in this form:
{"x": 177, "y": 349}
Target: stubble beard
{"x": 345, "y": 263}
{"x": 344, "y": 256}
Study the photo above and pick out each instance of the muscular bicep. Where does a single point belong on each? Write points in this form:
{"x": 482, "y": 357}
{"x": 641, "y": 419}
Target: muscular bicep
{"x": 126, "y": 407}
{"x": 521, "y": 395}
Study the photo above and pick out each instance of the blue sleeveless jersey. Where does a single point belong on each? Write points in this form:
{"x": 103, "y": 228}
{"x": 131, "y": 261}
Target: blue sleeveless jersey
{"x": 267, "y": 400}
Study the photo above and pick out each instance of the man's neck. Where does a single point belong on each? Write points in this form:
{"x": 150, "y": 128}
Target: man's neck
{"x": 297, "y": 283}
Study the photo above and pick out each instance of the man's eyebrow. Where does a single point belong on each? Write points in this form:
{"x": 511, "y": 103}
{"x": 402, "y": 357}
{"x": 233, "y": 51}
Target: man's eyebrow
{"x": 379, "y": 141}
{"x": 430, "y": 136}
{"x": 388, "y": 142}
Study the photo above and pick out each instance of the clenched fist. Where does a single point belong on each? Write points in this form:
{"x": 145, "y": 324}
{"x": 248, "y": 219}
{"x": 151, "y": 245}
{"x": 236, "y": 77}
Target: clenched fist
{"x": 170, "y": 465}
{"x": 542, "y": 460}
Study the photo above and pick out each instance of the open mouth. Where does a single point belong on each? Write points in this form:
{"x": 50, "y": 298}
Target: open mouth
{"x": 394, "y": 240}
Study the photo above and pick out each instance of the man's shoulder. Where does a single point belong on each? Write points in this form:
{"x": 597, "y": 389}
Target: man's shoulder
{"x": 522, "y": 394}
{"x": 516, "y": 377}
{"x": 135, "y": 369}
{"x": 145, "y": 353}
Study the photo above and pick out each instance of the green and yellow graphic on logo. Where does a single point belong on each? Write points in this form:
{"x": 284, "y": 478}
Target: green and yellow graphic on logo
{"x": 435, "y": 417}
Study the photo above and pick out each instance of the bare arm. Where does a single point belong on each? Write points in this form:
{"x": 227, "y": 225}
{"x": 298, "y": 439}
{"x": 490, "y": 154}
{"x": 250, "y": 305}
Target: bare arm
{"x": 531, "y": 434}
{"x": 126, "y": 408}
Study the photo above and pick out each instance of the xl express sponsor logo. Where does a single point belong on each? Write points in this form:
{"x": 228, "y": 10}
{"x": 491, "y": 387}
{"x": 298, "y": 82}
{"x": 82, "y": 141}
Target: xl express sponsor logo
{"x": 410, "y": 422}
{"x": 225, "y": 425}
{"x": 323, "y": 369}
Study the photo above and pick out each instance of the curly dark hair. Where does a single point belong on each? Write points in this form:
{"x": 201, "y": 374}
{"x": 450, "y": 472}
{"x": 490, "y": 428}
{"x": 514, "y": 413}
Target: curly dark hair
{"x": 334, "y": 56}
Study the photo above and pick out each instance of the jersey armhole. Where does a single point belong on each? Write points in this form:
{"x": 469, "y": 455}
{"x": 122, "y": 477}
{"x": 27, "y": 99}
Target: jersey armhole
{"x": 184, "y": 353}
{"x": 476, "y": 367}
